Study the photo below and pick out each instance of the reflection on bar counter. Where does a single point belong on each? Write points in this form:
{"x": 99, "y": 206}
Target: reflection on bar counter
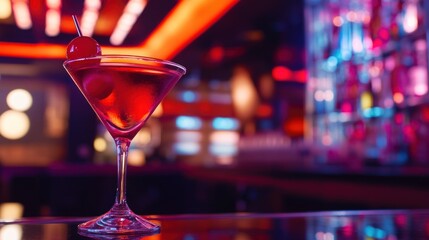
{"x": 367, "y": 92}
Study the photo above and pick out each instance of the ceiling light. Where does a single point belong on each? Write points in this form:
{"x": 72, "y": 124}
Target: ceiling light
{"x": 132, "y": 11}
{"x": 53, "y": 21}
{"x": 5, "y": 9}
{"x": 90, "y": 16}
{"x": 56, "y": 4}
{"x": 53, "y": 17}
{"x": 177, "y": 30}
{"x": 14, "y": 124}
{"x": 19, "y": 100}
{"x": 21, "y": 14}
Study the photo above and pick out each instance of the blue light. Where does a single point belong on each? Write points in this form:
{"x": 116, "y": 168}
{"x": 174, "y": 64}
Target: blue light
{"x": 379, "y": 233}
{"x": 374, "y": 112}
{"x": 372, "y": 152}
{"x": 223, "y": 123}
{"x": 377, "y": 111}
{"x": 364, "y": 77}
{"x": 188, "y": 123}
{"x": 223, "y": 149}
{"x": 332, "y": 63}
{"x": 186, "y": 148}
{"x": 369, "y": 231}
{"x": 188, "y": 96}
{"x": 373, "y": 232}
{"x": 381, "y": 140}
{"x": 367, "y": 113}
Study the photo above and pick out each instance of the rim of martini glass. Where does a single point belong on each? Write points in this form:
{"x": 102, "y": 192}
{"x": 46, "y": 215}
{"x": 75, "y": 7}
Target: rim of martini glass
{"x": 133, "y": 59}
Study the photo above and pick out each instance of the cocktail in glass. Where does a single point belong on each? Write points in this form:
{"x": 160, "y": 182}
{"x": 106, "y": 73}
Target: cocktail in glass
{"x": 123, "y": 91}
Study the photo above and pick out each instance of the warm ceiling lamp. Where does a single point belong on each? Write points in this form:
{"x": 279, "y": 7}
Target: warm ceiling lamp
{"x": 131, "y": 13}
{"x": 187, "y": 21}
{"x": 5, "y": 9}
{"x": 180, "y": 27}
{"x": 53, "y": 17}
{"x": 89, "y": 18}
{"x": 21, "y": 13}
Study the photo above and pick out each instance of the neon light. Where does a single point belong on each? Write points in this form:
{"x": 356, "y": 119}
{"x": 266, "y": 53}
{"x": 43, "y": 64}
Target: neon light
{"x": 5, "y": 9}
{"x": 398, "y": 97}
{"x": 410, "y": 18}
{"x": 329, "y": 95}
{"x": 223, "y": 123}
{"x": 21, "y": 13}
{"x": 319, "y": 96}
{"x": 179, "y": 28}
{"x": 223, "y": 149}
{"x": 366, "y": 100}
{"x": 53, "y": 17}
{"x": 224, "y": 137}
{"x": 53, "y": 22}
{"x": 188, "y": 96}
{"x": 188, "y": 136}
{"x": 132, "y": 11}
{"x": 90, "y": 16}
{"x": 281, "y": 73}
{"x": 418, "y": 76}
{"x": 188, "y": 123}
{"x": 173, "y": 34}
{"x": 186, "y": 148}
{"x": 337, "y": 21}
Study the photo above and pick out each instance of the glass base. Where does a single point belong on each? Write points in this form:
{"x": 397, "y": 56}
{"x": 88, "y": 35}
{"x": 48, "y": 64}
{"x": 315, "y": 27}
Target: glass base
{"x": 120, "y": 220}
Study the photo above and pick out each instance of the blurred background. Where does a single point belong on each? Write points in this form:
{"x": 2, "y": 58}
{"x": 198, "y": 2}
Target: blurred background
{"x": 286, "y": 106}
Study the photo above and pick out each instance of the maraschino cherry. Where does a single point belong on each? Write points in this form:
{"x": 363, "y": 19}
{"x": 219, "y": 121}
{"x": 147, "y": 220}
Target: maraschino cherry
{"x": 82, "y": 46}
{"x": 97, "y": 85}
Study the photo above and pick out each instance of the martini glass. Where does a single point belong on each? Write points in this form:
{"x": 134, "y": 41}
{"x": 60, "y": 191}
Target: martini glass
{"x": 123, "y": 91}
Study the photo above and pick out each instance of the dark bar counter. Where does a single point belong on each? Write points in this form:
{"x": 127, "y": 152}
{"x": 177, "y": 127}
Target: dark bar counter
{"x": 329, "y": 225}
{"x": 86, "y": 190}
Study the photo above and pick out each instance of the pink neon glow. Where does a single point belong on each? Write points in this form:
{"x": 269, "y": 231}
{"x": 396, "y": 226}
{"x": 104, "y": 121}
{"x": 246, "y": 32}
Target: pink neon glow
{"x": 418, "y": 77}
{"x": 410, "y": 18}
{"x": 346, "y": 107}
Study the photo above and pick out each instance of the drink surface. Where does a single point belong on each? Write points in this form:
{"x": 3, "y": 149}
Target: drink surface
{"x": 123, "y": 95}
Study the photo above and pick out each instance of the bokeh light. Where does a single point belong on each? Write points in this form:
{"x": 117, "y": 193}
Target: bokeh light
{"x": 19, "y": 100}
{"x": 100, "y": 144}
{"x": 14, "y": 124}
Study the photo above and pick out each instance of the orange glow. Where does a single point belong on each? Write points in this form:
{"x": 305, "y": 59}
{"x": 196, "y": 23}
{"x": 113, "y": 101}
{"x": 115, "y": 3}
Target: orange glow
{"x": 181, "y": 26}
{"x": 177, "y": 30}
{"x": 398, "y": 97}
{"x": 28, "y": 50}
{"x": 337, "y": 21}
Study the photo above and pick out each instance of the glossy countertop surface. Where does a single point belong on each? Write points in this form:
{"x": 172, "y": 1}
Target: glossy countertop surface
{"x": 347, "y": 225}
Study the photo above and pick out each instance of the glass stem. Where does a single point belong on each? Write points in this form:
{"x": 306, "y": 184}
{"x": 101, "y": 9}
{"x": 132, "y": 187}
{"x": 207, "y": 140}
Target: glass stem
{"x": 122, "y": 146}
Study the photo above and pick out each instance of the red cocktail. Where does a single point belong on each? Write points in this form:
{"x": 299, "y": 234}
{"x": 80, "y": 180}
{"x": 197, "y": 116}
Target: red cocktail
{"x": 123, "y": 91}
